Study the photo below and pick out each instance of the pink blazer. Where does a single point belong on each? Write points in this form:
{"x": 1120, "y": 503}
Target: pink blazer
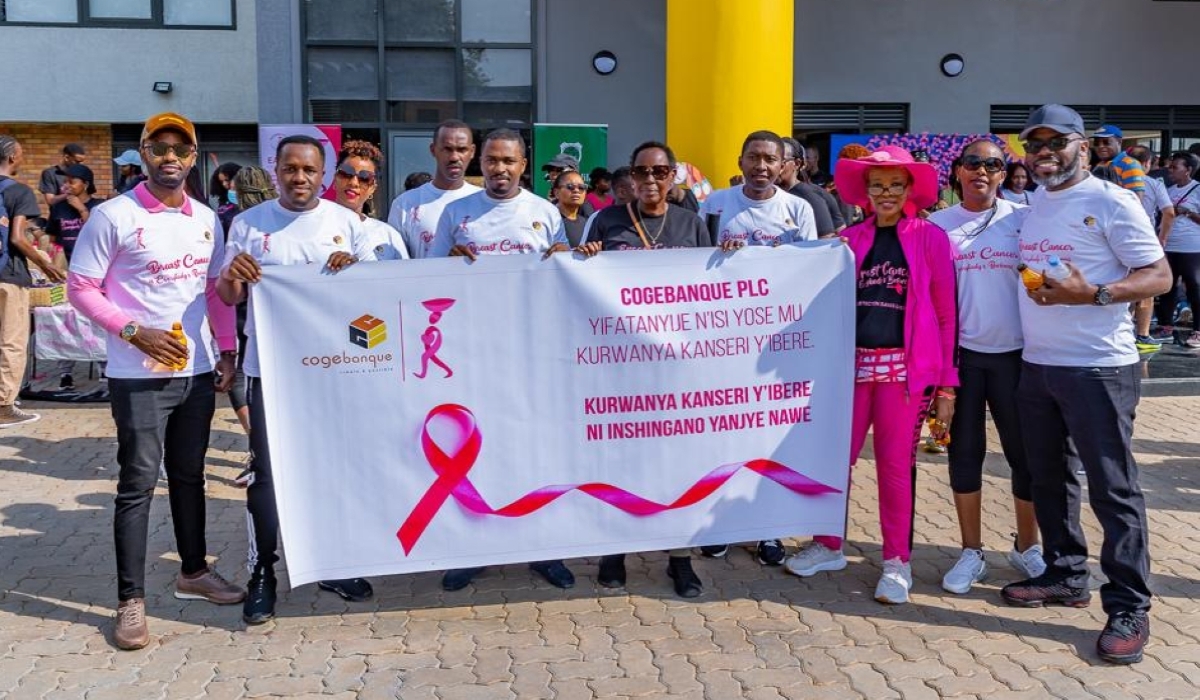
{"x": 931, "y": 315}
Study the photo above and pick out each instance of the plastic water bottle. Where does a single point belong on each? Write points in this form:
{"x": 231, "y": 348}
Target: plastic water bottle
{"x": 1057, "y": 269}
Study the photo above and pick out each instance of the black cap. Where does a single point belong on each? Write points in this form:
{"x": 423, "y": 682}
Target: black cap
{"x": 1061, "y": 118}
{"x": 84, "y": 173}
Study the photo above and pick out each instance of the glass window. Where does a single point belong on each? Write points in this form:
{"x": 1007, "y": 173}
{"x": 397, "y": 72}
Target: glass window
{"x": 208, "y": 13}
{"x": 41, "y": 10}
{"x": 352, "y": 20}
{"x": 419, "y": 20}
{"x": 120, "y": 9}
{"x": 496, "y": 21}
{"x": 420, "y": 74}
{"x": 342, "y": 73}
{"x": 497, "y": 75}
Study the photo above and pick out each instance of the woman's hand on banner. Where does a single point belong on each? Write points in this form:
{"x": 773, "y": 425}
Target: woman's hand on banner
{"x": 589, "y": 249}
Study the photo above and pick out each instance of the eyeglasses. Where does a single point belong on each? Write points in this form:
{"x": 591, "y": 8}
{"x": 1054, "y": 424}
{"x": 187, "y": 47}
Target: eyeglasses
{"x": 1057, "y": 143}
{"x": 159, "y": 149}
{"x": 575, "y": 187}
{"x": 365, "y": 176}
{"x": 645, "y": 172}
{"x": 991, "y": 165}
{"x": 895, "y": 188}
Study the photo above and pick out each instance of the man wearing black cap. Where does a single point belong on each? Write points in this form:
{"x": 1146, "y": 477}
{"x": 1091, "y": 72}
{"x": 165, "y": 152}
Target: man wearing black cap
{"x": 1079, "y": 377}
{"x": 53, "y": 182}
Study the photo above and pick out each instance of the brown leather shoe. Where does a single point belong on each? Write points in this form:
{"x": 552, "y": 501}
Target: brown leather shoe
{"x": 131, "y": 631}
{"x": 208, "y": 585}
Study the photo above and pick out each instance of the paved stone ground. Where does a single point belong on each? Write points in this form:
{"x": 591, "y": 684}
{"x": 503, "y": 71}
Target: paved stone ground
{"x": 755, "y": 633}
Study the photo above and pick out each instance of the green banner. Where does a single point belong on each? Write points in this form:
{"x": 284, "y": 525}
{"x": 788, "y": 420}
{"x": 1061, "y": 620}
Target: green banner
{"x": 586, "y": 143}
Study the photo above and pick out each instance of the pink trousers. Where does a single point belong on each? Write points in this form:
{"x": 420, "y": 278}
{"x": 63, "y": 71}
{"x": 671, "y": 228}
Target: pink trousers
{"x": 897, "y": 421}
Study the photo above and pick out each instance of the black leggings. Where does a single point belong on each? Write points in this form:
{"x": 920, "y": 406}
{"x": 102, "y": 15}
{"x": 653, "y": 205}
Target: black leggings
{"x": 988, "y": 381}
{"x": 1187, "y": 267}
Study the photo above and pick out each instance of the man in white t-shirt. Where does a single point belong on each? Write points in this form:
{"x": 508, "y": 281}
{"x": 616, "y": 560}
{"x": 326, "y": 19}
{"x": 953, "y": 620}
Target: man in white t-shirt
{"x": 144, "y": 262}
{"x": 757, "y": 213}
{"x": 1160, "y": 208}
{"x": 503, "y": 219}
{"x": 299, "y": 228}
{"x": 1080, "y": 378}
{"x": 415, "y": 213}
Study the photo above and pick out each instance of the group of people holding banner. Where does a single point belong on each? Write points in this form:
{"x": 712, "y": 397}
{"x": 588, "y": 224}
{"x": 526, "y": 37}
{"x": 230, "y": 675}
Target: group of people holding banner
{"x": 943, "y": 328}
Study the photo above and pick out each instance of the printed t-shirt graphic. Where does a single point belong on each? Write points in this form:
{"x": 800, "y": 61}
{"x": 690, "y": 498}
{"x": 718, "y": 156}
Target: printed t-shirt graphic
{"x": 525, "y": 223}
{"x": 782, "y": 218}
{"x": 415, "y": 214}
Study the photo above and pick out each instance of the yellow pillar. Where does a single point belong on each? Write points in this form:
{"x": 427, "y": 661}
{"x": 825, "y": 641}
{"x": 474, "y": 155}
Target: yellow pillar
{"x": 729, "y": 72}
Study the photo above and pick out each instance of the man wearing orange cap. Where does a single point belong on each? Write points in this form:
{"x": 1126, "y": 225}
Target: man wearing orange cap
{"x": 143, "y": 264}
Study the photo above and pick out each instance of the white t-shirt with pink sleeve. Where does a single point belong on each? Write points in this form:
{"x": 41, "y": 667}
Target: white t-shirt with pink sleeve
{"x": 1102, "y": 230}
{"x": 155, "y": 263}
{"x": 273, "y": 235}
{"x": 985, "y": 262}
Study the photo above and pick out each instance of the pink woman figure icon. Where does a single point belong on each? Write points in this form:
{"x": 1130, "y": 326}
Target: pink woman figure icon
{"x": 432, "y": 337}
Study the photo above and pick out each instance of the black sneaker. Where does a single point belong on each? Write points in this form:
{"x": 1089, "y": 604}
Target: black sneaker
{"x": 1044, "y": 590}
{"x": 458, "y": 579}
{"x": 714, "y": 551}
{"x": 1124, "y": 637}
{"x": 612, "y": 571}
{"x": 771, "y": 553}
{"x": 555, "y": 572}
{"x": 259, "y": 606}
{"x": 687, "y": 583}
{"x": 355, "y": 590}
{"x": 66, "y": 383}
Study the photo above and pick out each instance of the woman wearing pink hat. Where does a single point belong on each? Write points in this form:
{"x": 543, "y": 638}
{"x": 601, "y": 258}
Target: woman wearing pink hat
{"x": 907, "y": 327}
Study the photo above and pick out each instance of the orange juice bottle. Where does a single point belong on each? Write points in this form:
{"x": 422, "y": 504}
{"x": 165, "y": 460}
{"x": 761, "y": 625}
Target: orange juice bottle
{"x": 1032, "y": 279}
{"x": 177, "y": 334}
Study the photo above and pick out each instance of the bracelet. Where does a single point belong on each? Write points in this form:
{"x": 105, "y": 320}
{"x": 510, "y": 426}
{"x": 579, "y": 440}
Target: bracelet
{"x": 945, "y": 395}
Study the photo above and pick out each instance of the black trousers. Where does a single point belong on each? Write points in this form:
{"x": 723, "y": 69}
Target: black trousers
{"x": 1185, "y": 266}
{"x": 160, "y": 420}
{"x": 987, "y": 381}
{"x": 263, "y": 520}
{"x": 1096, "y": 406}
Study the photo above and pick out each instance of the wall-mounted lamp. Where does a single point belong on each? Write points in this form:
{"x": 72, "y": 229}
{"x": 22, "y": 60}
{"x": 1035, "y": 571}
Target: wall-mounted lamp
{"x": 163, "y": 87}
{"x": 604, "y": 62}
{"x": 953, "y": 65}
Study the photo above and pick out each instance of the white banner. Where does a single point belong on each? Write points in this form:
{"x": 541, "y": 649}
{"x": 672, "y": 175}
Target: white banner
{"x": 440, "y": 414}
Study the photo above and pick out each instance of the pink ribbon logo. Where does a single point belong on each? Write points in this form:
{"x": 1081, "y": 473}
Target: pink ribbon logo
{"x": 452, "y": 467}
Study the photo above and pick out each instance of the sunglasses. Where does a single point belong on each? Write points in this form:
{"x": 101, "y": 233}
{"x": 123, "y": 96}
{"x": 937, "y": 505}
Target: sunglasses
{"x": 991, "y": 165}
{"x": 574, "y": 187}
{"x": 1057, "y": 143}
{"x": 364, "y": 176}
{"x": 895, "y": 189}
{"x": 159, "y": 149}
{"x": 645, "y": 172}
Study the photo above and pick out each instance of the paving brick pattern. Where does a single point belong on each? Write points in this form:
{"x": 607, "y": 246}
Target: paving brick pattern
{"x": 755, "y": 633}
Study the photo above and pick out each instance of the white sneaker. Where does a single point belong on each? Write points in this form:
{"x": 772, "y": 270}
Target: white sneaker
{"x": 1031, "y": 562}
{"x": 814, "y": 558}
{"x": 895, "y": 583}
{"x": 970, "y": 568}
{"x": 11, "y": 415}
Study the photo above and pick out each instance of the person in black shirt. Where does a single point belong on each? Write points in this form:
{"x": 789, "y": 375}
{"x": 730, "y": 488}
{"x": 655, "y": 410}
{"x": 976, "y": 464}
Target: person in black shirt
{"x": 570, "y": 191}
{"x": 53, "y": 181}
{"x": 790, "y": 182}
{"x": 68, "y": 216}
{"x": 649, "y": 223}
{"x": 20, "y": 205}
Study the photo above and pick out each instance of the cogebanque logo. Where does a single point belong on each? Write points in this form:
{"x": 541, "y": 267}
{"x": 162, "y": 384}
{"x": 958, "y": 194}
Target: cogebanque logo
{"x": 366, "y": 333}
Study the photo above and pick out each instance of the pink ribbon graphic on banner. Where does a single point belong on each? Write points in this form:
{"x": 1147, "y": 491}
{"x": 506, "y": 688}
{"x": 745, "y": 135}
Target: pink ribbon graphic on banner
{"x": 452, "y": 467}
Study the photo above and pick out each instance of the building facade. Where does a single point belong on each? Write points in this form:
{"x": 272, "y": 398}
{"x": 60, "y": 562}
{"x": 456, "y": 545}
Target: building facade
{"x": 388, "y": 70}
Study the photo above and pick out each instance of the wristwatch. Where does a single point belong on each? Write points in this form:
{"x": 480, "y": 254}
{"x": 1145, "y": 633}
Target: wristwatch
{"x": 129, "y": 331}
{"x": 1103, "y": 296}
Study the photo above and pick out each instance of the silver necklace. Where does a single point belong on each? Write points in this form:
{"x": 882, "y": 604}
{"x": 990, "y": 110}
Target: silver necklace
{"x": 661, "y": 225}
